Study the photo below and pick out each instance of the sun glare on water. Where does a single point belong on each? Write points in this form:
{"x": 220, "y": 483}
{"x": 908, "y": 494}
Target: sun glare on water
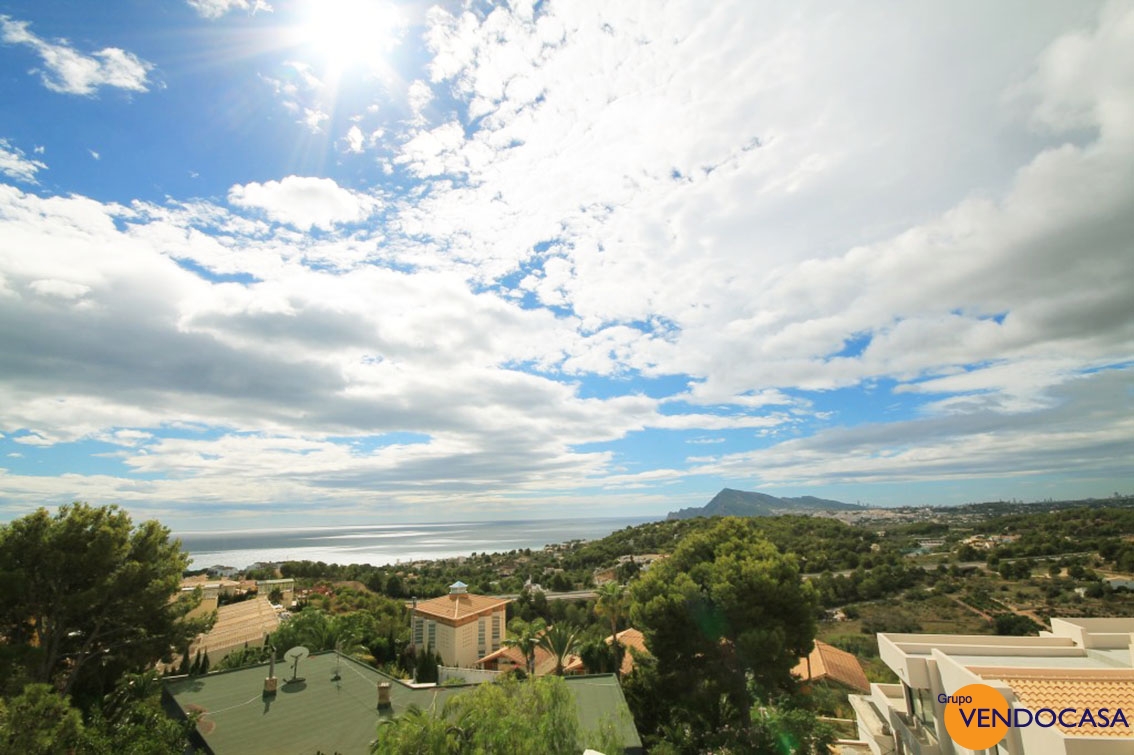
{"x": 349, "y": 33}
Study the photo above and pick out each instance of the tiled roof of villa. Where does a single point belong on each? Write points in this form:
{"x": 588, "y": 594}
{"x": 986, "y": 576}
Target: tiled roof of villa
{"x": 237, "y": 624}
{"x": 544, "y": 661}
{"x": 829, "y": 662}
{"x": 1079, "y": 689}
{"x": 455, "y": 609}
{"x": 630, "y": 640}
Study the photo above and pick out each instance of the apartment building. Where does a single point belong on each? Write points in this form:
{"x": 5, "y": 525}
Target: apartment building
{"x": 1080, "y": 664}
{"x": 460, "y": 627}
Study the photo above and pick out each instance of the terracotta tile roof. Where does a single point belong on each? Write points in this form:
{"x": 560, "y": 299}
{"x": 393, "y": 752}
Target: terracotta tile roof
{"x": 461, "y": 608}
{"x": 511, "y": 656}
{"x": 630, "y": 639}
{"x": 237, "y": 624}
{"x": 828, "y": 662}
{"x": 1058, "y": 689}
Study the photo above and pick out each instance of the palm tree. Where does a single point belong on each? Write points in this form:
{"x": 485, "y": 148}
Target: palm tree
{"x": 612, "y": 604}
{"x": 525, "y": 637}
{"x": 560, "y": 640}
{"x": 414, "y": 731}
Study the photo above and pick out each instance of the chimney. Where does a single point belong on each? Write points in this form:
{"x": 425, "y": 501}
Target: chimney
{"x": 271, "y": 682}
{"x": 384, "y": 696}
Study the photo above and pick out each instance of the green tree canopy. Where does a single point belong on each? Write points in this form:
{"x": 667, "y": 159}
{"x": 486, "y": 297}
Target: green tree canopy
{"x": 520, "y": 718}
{"x": 90, "y": 596}
{"x": 612, "y": 604}
{"x": 560, "y": 640}
{"x": 525, "y": 636}
{"x": 726, "y": 618}
{"x": 39, "y": 721}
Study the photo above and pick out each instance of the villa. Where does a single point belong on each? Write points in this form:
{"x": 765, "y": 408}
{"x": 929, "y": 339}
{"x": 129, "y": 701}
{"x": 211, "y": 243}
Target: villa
{"x": 1079, "y": 664}
{"x": 460, "y": 627}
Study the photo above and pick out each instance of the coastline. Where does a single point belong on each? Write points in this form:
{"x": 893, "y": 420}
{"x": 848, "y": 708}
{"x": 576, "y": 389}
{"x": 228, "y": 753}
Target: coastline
{"x": 390, "y": 544}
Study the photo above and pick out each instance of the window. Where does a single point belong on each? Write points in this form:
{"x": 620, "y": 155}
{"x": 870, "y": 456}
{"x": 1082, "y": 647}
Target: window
{"x": 920, "y": 702}
{"x": 480, "y": 635}
{"x": 418, "y": 631}
{"x": 432, "y": 634}
{"x": 495, "y": 631}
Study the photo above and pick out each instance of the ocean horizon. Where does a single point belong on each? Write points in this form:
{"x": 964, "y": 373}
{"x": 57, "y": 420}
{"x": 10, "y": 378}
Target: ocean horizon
{"x": 386, "y": 544}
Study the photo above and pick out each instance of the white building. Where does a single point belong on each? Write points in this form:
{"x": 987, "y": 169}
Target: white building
{"x": 460, "y": 627}
{"x": 1080, "y": 663}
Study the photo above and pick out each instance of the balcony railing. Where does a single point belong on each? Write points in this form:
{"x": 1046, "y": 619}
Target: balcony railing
{"x": 917, "y": 739}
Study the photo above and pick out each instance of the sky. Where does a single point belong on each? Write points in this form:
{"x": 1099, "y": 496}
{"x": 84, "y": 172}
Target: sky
{"x": 306, "y": 262}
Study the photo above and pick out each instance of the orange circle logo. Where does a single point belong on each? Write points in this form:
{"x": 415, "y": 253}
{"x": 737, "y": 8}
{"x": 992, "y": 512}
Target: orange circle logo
{"x": 976, "y": 716}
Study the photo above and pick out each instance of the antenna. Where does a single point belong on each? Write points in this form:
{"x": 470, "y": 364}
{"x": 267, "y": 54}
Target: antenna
{"x": 294, "y": 656}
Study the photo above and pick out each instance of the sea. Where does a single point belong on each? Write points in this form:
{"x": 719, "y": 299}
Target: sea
{"x": 382, "y": 544}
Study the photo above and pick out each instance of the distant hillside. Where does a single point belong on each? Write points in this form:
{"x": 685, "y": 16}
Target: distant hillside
{"x": 731, "y": 502}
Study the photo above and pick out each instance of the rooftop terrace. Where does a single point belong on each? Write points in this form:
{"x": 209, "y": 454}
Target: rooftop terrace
{"x": 328, "y": 714}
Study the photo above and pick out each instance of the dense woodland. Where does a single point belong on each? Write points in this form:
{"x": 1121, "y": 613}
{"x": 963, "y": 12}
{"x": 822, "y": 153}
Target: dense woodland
{"x": 86, "y": 613}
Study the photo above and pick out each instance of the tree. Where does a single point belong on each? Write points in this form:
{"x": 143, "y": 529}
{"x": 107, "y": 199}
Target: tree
{"x": 560, "y": 641}
{"x": 788, "y": 730}
{"x": 86, "y": 584}
{"x": 612, "y": 604}
{"x": 131, "y": 721}
{"x": 1014, "y": 624}
{"x": 534, "y": 718}
{"x": 39, "y": 721}
{"x": 185, "y": 665}
{"x": 726, "y": 617}
{"x": 598, "y": 656}
{"x": 525, "y": 637}
{"x": 426, "y": 669}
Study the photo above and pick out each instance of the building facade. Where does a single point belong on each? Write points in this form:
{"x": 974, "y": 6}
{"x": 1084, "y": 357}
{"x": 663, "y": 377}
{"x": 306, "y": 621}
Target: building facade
{"x": 1079, "y": 664}
{"x": 460, "y": 627}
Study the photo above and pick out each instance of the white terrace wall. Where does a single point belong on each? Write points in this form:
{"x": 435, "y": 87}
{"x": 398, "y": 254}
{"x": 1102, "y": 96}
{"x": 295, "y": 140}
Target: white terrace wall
{"x": 470, "y": 675}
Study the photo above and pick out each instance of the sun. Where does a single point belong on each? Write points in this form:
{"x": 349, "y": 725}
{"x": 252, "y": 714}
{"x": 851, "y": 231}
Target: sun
{"x": 349, "y": 33}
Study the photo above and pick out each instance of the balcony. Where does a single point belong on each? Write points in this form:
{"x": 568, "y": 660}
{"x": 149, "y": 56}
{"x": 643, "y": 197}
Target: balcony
{"x": 916, "y": 739}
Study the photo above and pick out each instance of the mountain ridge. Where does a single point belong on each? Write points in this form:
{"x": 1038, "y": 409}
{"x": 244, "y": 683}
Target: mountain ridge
{"x": 730, "y": 502}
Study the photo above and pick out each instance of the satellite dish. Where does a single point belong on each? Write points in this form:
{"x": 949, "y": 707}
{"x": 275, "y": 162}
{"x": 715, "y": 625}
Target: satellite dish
{"x": 294, "y": 656}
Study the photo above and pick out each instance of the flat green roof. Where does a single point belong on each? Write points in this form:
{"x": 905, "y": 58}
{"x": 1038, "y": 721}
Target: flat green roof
{"x": 329, "y": 715}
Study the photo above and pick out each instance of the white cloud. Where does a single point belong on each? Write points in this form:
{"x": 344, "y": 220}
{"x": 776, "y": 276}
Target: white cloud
{"x": 218, "y": 8}
{"x": 313, "y": 119}
{"x": 761, "y": 231}
{"x": 304, "y": 201}
{"x": 355, "y": 140}
{"x": 71, "y": 72}
{"x": 1087, "y": 430}
{"x": 15, "y": 164}
{"x": 419, "y": 96}
{"x": 61, "y": 289}
{"x": 750, "y": 204}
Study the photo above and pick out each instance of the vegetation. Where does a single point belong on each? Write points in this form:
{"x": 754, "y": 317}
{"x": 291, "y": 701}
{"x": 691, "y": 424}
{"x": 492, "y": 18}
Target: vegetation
{"x": 87, "y": 608}
{"x": 613, "y": 604}
{"x": 560, "y": 640}
{"x": 536, "y": 717}
{"x": 525, "y": 636}
{"x": 89, "y": 602}
{"x": 725, "y": 619}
